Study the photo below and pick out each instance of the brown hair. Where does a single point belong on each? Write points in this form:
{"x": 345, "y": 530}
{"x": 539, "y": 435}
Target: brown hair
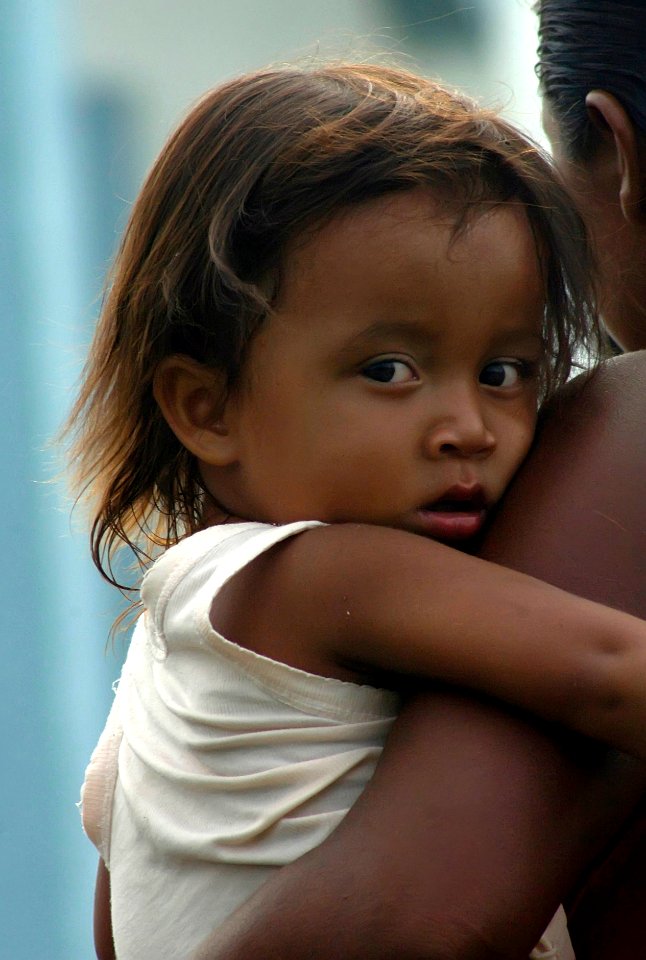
{"x": 256, "y": 161}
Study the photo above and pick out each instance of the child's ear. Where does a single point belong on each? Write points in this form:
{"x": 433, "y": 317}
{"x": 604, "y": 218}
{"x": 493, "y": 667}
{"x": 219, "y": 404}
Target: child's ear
{"x": 610, "y": 117}
{"x": 192, "y": 399}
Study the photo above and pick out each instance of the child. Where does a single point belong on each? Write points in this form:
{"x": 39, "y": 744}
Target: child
{"x": 341, "y": 295}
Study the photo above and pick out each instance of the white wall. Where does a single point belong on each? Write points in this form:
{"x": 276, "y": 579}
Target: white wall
{"x": 166, "y": 53}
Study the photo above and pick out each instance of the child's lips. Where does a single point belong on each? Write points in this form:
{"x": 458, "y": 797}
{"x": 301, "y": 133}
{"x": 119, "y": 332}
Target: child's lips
{"x": 454, "y": 524}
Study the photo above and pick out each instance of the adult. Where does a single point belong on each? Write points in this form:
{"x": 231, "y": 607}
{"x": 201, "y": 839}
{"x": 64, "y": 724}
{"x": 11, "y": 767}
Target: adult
{"x": 478, "y": 822}
{"x": 592, "y": 72}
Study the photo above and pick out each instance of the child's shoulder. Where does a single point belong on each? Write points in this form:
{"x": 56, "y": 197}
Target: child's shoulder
{"x": 299, "y": 602}
{"x": 209, "y": 558}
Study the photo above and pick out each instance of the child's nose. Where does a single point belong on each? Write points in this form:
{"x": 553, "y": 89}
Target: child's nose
{"x": 461, "y": 432}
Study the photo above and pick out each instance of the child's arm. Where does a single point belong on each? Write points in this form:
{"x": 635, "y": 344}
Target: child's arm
{"x": 359, "y": 602}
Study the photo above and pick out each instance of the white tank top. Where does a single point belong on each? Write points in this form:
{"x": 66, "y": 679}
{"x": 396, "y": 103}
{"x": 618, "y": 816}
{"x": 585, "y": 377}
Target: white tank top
{"x": 217, "y": 765}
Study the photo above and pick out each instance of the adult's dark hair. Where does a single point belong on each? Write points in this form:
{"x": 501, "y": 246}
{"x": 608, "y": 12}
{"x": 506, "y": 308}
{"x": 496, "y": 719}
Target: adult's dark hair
{"x": 591, "y": 45}
{"x": 257, "y": 161}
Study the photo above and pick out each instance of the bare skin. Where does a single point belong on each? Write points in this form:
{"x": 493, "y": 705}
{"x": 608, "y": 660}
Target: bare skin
{"x": 409, "y": 875}
{"x": 103, "y": 942}
{"x": 554, "y": 803}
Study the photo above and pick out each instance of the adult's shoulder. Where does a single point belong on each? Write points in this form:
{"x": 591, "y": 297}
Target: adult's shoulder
{"x": 616, "y": 384}
{"x": 576, "y": 513}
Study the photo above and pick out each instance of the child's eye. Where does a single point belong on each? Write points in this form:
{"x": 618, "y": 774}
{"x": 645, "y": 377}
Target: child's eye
{"x": 389, "y": 370}
{"x": 505, "y": 373}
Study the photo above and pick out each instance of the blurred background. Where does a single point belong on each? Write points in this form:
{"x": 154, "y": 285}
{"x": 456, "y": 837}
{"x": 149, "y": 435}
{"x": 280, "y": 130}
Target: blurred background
{"x": 89, "y": 92}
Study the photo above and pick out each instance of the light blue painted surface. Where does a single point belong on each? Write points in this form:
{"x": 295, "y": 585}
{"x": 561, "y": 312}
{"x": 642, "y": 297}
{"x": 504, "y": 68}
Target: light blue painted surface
{"x": 55, "y": 613}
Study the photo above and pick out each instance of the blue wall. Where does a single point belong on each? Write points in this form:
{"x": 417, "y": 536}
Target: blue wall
{"x": 57, "y": 222}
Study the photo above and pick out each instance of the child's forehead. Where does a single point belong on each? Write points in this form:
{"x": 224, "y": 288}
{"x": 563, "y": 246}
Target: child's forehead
{"x": 396, "y": 209}
{"x": 402, "y": 227}
{"x": 398, "y": 262}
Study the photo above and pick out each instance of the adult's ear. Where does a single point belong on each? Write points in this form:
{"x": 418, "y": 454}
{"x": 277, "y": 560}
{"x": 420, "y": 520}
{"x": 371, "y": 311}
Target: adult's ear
{"x": 618, "y": 130}
{"x": 192, "y": 399}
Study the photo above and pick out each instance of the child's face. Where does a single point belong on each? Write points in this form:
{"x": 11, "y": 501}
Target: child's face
{"x": 397, "y": 382}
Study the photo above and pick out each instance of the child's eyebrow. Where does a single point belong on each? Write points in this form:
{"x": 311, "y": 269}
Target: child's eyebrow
{"x": 412, "y": 331}
{"x": 420, "y": 333}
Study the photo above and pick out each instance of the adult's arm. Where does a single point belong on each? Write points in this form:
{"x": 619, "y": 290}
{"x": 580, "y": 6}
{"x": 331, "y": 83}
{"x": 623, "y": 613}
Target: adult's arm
{"x": 478, "y": 822}
{"x": 103, "y": 942}
{"x": 599, "y": 552}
